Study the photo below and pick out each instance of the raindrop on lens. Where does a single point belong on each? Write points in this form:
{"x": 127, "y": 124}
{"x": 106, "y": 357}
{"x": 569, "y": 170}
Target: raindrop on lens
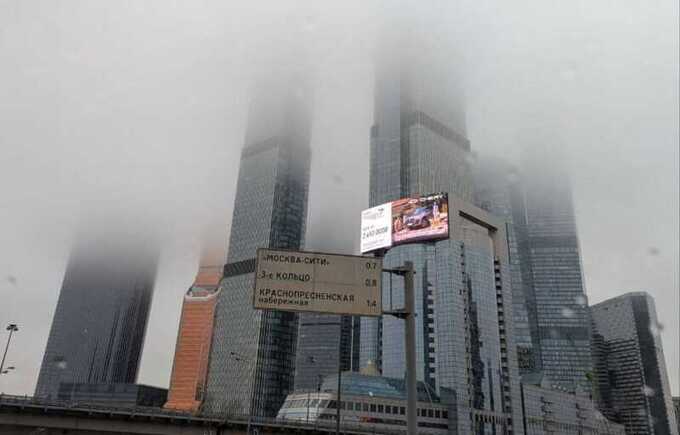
{"x": 581, "y": 300}
{"x": 568, "y": 313}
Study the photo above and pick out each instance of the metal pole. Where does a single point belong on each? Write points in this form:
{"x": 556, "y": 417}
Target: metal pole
{"x": 410, "y": 338}
{"x": 308, "y": 400}
{"x": 4, "y": 355}
{"x": 339, "y": 396}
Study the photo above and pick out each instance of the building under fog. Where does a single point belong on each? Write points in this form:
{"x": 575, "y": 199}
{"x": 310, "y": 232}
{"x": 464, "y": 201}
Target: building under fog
{"x": 252, "y": 358}
{"x": 99, "y": 324}
{"x": 558, "y": 300}
{"x": 194, "y": 337}
{"x": 631, "y": 380}
{"x": 463, "y": 295}
{"x": 498, "y": 190}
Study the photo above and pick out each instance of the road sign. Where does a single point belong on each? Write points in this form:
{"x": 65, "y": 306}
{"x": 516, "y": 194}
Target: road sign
{"x": 322, "y": 283}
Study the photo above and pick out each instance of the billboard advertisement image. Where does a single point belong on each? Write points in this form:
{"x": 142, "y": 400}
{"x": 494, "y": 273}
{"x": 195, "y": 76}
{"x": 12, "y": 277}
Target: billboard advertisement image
{"x": 376, "y": 228}
{"x": 411, "y": 220}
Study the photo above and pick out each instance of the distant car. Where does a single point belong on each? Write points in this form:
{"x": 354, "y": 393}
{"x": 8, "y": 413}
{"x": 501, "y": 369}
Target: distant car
{"x": 418, "y": 218}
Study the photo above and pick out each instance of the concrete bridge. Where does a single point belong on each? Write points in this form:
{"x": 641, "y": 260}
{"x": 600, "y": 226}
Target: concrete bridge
{"x": 25, "y": 415}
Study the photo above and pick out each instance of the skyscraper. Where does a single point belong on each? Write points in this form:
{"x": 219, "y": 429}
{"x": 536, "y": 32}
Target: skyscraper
{"x": 418, "y": 146}
{"x": 561, "y": 308}
{"x": 631, "y": 378}
{"x": 324, "y": 341}
{"x": 252, "y": 358}
{"x": 190, "y": 366}
{"x": 99, "y": 324}
{"x": 498, "y": 190}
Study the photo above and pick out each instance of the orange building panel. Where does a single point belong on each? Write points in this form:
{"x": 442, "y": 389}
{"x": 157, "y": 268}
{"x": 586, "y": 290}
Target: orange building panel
{"x": 187, "y": 383}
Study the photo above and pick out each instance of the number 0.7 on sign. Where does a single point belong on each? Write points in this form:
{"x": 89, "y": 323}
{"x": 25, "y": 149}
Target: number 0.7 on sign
{"x": 322, "y": 283}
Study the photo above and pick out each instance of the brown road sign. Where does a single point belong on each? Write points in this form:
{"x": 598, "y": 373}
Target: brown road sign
{"x": 322, "y": 283}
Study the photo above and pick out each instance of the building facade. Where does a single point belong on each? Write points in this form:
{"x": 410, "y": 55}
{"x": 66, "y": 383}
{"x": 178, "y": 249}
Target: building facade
{"x": 631, "y": 377}
{"x": 370, "y": 403}
{"x": 463, "y": 293}
{"x": 498, "y": 190}
{"x": 194, "y": 338}
{"x": 99, "y": 324}
{"x": 324, "y": 342}
{"x": 561, "y": 305}
{"x": 546, "y": 410}
{"x": 252, "y": 357}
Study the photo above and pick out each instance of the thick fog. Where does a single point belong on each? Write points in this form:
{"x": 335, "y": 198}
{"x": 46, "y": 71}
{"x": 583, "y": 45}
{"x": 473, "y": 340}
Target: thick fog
{"x": 140, "y": 107}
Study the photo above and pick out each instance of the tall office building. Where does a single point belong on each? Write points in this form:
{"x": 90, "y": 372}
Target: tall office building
{"x": 324, "y": 342}
{"x": 99, "y": 324}
{"x": 252, "y": 358}
{"x": 631, "y": 378}
{"x": 462, "y": 285}
{"x": 561, "y": 308}
{"x": 498, "y": 190}
{"x": 190, "y": 365}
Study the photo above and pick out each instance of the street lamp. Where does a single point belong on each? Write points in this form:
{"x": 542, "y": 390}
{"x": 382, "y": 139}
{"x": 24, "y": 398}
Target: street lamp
{"x": 12, "y": 327}
{"x": 236, "y": 357}
{"x": 311, "y": 360}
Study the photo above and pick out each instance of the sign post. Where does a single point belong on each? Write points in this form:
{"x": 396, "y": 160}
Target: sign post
{"x": 408, "y": 314}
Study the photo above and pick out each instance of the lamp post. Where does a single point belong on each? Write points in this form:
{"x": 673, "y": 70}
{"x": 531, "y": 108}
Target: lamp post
{"x": 242, "y": 359}
{"x": 311, "y": 360}
{"x": 12, "y": 327}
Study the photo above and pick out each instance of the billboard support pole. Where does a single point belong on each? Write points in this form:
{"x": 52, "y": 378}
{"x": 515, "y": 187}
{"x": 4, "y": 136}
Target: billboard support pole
{"x": 410, "y": 338}
{"x": 408, "y": 313}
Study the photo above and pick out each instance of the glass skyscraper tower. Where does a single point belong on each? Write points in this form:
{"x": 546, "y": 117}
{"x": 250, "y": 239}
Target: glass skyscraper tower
{"x": 324, "y": 341}
{"x": 99, "y": 324}
{"x": 498, "y": 190}
{"x": 252, "y": 357}
{"x": 463, "y": 336}
{"x": 552, "y": 325}
{"x": 631, "y": 380}
{"x": 561, "y": 306}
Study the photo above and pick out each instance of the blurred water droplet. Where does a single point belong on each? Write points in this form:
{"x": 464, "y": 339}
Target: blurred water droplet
{"x": 581, "y": 300}
{"x": 62, "y": 364}
{"x": 568, "y": 74}
{"x": 655, "y": 328}
{"x": 338, "y": 179}
{"x": 12, "y": 279}
{"x": 568, "y": 313}
{"x": 648, "y": 391}
{"x": 653, "y": 251}
{"x": 471, "y": 159}
{"x": 310, "y": 23}
{"x": 513, "y": 177}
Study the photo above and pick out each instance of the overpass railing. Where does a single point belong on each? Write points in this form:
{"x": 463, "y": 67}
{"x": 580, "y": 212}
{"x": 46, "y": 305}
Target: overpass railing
{"x": 42, "y": 404}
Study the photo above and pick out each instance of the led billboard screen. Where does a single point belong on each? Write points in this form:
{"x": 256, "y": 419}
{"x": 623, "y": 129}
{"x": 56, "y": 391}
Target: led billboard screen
{"x": 407, "y": 220}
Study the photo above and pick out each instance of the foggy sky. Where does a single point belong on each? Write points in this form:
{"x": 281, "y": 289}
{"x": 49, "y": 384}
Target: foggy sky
{"x": 141, "y": 106}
